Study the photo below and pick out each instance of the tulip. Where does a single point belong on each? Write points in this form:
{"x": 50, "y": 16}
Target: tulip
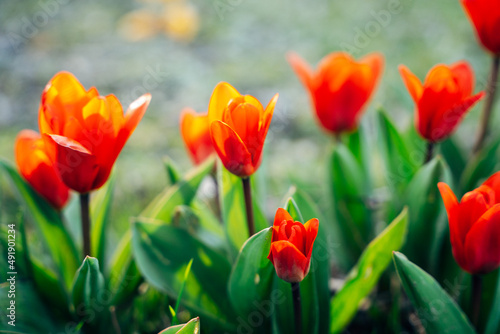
{"x": 38, "y": 170}
{"x": 340, "y": 88}
{"x": 291, "y": 246}
{"x": 475, "y": 226}
{"x": 485, "y": 16}
{"x": 238, "y": 126}
{"x": 195, "y": 132}
{"x": 443, "y": 100}
{"x": 85, "y": 132}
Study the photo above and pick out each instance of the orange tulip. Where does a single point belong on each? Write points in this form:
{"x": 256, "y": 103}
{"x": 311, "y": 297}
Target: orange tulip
{"x": 485, "y": 16}
{"x": 291, "y": 246}
{"x": 340, "y": 88}
{"x": 36, "y": 167}
{"x": 238, "y": 127}
{"x": 443, "y": 100}
{"x": 85, "y": 132}
{"x": 475, "y": 226}
{"x": 195, "y": 132}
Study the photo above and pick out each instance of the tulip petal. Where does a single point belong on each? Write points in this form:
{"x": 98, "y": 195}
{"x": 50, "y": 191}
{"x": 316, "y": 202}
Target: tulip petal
{"x": 290, "y": 264}
{"x": 231, "y": 149}
{"x": 222, "y": 94}
{"x": 311, "y": 227}
{"x": 375, "y": 61}
{"x": 195, "y": 132}
{"x": 444, "y": 124}
{"x": 37, "y": 169}
{"x": 465, "y": 77}
{"x": 494, "y": 183}
{"x": 452, "y": 209}
{"x": 472, "y": 206}
{"x": 302, "y": 69}
{"x": 75, "y": 165}
{"x": 135, "y": 112}
{"x": 281, "y": 215}
{"x": 482, "y": 249}
{"x": 413, "y": 84}
{"x": 244, "y": 120}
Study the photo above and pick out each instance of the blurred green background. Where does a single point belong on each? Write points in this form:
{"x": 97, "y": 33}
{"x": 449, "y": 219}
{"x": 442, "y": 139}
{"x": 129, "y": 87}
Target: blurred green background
{"x": 244, "y": 42}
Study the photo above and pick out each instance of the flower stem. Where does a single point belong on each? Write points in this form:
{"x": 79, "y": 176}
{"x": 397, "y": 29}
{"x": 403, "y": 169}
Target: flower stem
{"x": 85, "y": 214}
{"x": 297, "y": 307}
{"x": 248, "y": 204}
{"x": 477, "y": 285}
{"x": 429, "y": 151}
{"x": 488, "y": 105}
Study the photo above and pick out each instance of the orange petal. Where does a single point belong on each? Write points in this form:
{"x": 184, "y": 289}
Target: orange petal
{"x": 465, "y": 77}
{"x": 222, "y": 94}
{"x": 482, "y": 249}
{"x": 244, "y": 120}
{"x": 375, "y": 61}
{"x": 494, "y": 183}
{"x": 311, "y": 228}
{"x": 281, "y": 215}
{"x": 290, "y": 264}
{"x": 231, "y": 150}
{"x": 195, "y": 132}
{"x": 302, "y": 69}
{"x": 75, "y": 165}
{"x": 412, "y": 83}
{"x": 452, "y": 208}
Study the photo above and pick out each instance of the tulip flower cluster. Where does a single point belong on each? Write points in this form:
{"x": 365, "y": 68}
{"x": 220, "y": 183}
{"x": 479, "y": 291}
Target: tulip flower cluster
{"x": 218, "y": 256}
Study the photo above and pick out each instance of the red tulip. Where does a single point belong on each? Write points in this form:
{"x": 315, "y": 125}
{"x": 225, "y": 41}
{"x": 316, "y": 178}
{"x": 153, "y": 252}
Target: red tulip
{"x": 85, "y": 132}
{"x": 475, "y": 226}
{"x": 238, "y": 127}
{"x": 485, "y": 16}
{"x": 36, "y": 167}
{"x": 340, "y": 88}
{"x": 443, "y": 100}
{"x": 291, "y": 246}
{"x": 195, "y": 132}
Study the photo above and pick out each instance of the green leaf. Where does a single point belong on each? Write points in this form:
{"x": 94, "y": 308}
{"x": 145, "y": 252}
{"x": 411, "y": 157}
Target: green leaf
{"x": 234, "y": 212}
{"x": 179, "y": 297}
{"x": 173, "y": 173}
{"x": 323, "y": 250}
{"x": 162, "y": 253}
{"x": 124, "y": 277}
{"x": 399, "y": 165}
{"x": 365, "y": 275}
{"x": 454, "y": 157}
{"x": 480, "y": 167}
{"x": 437, "y": 311}
{"x": 492, "y": 325}
{"x": 427, "y": 217}
{"x": 251, "y": 279}
{"x": 48, "y": 223}
{"x": 353, "y": 217}
{"x": 192, "y": 327}
{"x": 88, "y": 287}
{"x": 99, "y": 210}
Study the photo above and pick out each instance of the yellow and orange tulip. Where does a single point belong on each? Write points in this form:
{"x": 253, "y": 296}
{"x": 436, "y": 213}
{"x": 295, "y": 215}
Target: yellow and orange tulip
{"x": 238, "y": 127}
{"x": 85, "y": 132}
{"x": 195, "y": 132}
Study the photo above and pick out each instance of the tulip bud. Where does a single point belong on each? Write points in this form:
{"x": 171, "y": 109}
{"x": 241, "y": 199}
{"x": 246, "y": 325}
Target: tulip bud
{"x": 291, "y": 246}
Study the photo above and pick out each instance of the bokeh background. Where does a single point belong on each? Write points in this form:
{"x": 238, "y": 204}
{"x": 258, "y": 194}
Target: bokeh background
{"x": 178, "y": 50}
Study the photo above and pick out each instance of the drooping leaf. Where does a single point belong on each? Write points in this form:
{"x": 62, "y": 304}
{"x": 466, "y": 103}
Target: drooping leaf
{"x": 162, "y": 253}
{"x": 437, "y": 311}
{"x": 48, "y": 223}
{"x": 191, "y": 327}
{"x": 365, "y": 275}
{"x": 251, "y": 279}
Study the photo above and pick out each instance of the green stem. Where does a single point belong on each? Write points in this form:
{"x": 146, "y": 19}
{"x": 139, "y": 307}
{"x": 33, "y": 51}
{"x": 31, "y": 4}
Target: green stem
{"x": 247, "y": 189}
{"x": 85, "y": 214}
{"x": 297, "y": 307}
{"x": 429, "y": 151}
{"x": 488, "y": 105}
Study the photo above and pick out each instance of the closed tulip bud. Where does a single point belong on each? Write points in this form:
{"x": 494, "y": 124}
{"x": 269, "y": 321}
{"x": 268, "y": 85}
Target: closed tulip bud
{"x": 85, "y": 132}
{"x": 195, "y": 132}
{"x": 475, "y": 226}
{"x": 292, "y": 246}
{"x": 442, "y": 100}
{"x": 36, "y": 167}
{"x": 238, "y": 127}
{"x": 340, "y": 88}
